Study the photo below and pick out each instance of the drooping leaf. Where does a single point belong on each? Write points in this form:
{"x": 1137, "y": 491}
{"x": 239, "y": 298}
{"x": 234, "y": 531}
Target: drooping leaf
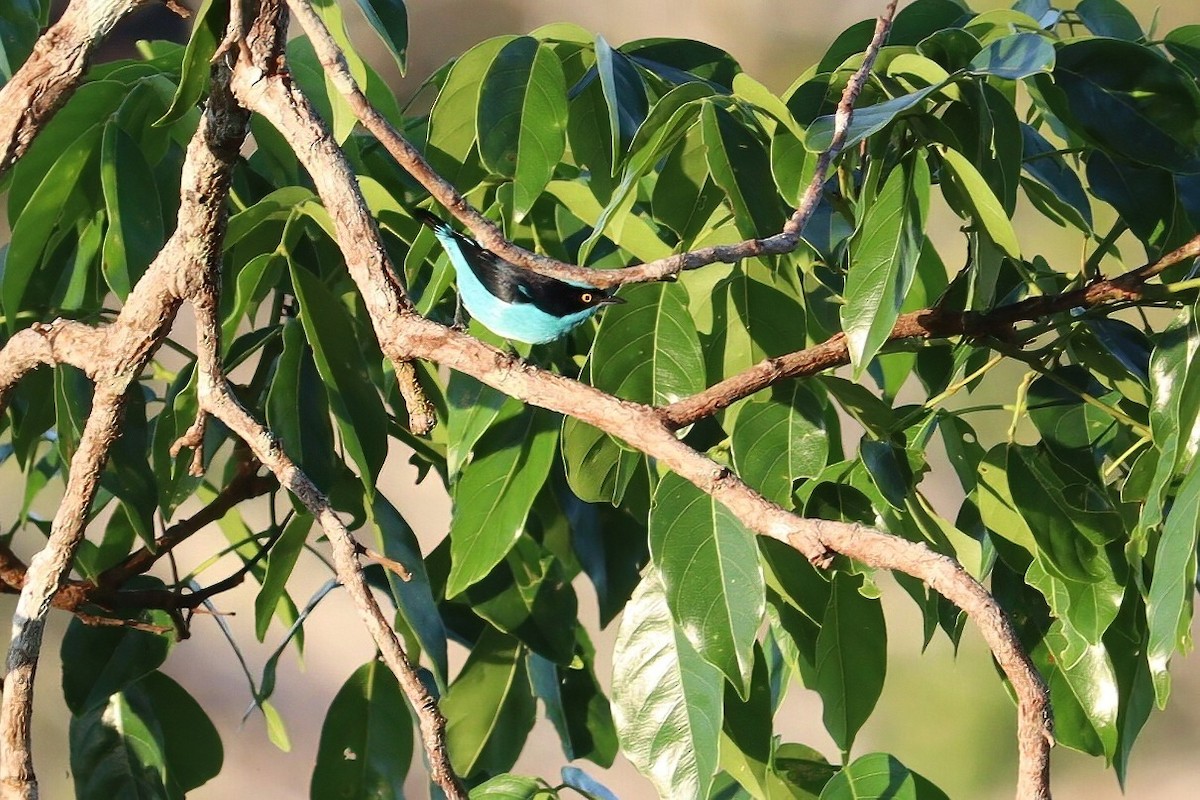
{"x": 666, "y": 699}
{"x": 885, "y": 259}
{"x": 494, "y": 495}
{"x": 709, "y": 566}
{"x": 851, "y": 659}
{"x": 779, "y": 441}
{"x": 366, "y": 739}
{"x": 490, "y": 707}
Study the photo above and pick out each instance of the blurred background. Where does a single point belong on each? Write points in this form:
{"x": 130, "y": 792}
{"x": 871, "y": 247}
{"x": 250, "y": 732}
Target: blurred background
{"x": 943, "y": 714}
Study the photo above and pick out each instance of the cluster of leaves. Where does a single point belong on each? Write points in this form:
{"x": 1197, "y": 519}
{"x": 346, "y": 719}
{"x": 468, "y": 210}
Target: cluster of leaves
{"x": 1085, "y": 521}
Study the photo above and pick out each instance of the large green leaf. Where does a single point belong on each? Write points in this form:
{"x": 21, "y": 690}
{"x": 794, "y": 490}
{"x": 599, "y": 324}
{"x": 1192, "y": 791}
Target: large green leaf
{"x": 976, "y": 199}
{"x": 473, "y": 407}
{"x": 494, "y": 495}
{"x": 490, "y": 707}
{"x": 528, "y": 596}
{"x": 576, "y": 705}
{"x": 879, "y": 775}
{"x": 1128, "y": 99}
{"x": 366, "y": 739}
{"x": 666, "y": 698}
{"x": 1014, "y": 57}
{"x": 33, "y": 229}
{"x": 298, "y": 409}
{"x": 152, "y": 740}
{"x": 851, "y": 659}
{"x": 413, "y": 596}
{"x": 778, "y": 441}
{"x": 647, "y": 349}
{"x": 709, "y": 566}
{"x": 207, "y": 31}
{"x": 1109, "y": 18}
{"x": 884, "y": 259}
{"x": 598, "y": 468}
{"x": 741, "y": 166}
{"x": 451, "y": 132}
{"x": 357, "y": 408}
{"x": 866, "y": 121}
{"x": 522, "y": 118}
{"x": 1172, "y": 589}
{"x": 389, "y": 18}
{"x": 101, "y": 661}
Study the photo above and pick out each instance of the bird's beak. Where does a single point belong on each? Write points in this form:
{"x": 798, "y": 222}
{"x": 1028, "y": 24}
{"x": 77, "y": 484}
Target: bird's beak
{"x": 611, "y": 300}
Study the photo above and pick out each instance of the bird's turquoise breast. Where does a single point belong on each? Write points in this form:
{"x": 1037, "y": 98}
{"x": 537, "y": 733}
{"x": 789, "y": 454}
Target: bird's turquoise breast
{"x": 522, "y": 322}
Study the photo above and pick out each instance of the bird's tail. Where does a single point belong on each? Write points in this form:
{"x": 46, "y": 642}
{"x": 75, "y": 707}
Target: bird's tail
{"x": 427, "y": 218}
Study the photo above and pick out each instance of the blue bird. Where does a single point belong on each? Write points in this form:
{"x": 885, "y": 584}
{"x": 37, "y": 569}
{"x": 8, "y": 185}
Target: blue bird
{"x": 516, "y": 303}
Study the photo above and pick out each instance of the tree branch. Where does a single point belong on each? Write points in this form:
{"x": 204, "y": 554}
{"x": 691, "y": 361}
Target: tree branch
{"x": 52, "y": 72}
{"x": 122, "y": 351}
{"x": 928, "y": 323}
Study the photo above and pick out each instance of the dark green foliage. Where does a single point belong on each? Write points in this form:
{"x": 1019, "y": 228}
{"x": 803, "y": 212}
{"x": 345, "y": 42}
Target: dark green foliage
{"x": 1081, "y": 509}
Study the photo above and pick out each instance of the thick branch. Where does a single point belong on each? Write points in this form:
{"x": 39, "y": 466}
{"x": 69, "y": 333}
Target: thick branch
{"x": 53, "y": 71}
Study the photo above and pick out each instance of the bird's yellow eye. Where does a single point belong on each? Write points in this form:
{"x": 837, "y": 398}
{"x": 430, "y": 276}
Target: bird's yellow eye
{"x": 586, "y": 297}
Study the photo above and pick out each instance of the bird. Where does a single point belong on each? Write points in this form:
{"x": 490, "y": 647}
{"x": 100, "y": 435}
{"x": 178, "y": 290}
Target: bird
{"x": 515, "y": 303}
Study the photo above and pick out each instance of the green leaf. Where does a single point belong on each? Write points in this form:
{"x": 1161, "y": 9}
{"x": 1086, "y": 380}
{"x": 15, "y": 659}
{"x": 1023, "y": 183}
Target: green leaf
{"x": 1014, "y": 57}
{"x": 884, "y": 259}
{"x": 413, "y": 597}
{"x": 452, "y": 121}
{"x": 576, "y": 705}
{"x": 1129, "y": 100}
{"x": 207, "y": 31}
{"x": 598, "y": 468}
{"x": 389, "y": 18}
{"x": 473, "y": 408}
{"x": 528, "y": 595}
{"x": 1184, "y": 44}
{"x": 779, "y": 441}
{"x": 710, "y": 571}
{"x": 101, "y": 661}
{"x": 741, "y": 166}
{"x": 91, "y": 103}
{"x": 667, "y": 122}
{"x": 1169, "y": 606}
{"x": 366, "y": 739}
{"x": 280, "y": 564}
{"x": 624, "y": 96}
{"x": 494, "y": 495}
{"x": 489, "y": 708}
{"x": 298, "y": 409}
{"x": 851, "y": 659}
{"x": 646, "y": 349}
{"x": 522, "y": 118}
{"x": 357, "y": 408}
{"x": 981, "y": 202}
{"x": 513, "y": 787}
{"x": 190, "y": 741}
{"x": 666, "y": 699}
{"x": 34, "y": 228}
{"x": 1044, "y": 164}
{"x": 1109, "y": 18}
{"x": 879, "y": 775}
{"x": 866, "y": 121}
{"x": 117, "y": 751}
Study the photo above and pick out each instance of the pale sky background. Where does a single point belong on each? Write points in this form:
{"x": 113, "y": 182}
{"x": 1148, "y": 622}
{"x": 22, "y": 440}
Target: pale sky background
{"x": 946, "y": 717}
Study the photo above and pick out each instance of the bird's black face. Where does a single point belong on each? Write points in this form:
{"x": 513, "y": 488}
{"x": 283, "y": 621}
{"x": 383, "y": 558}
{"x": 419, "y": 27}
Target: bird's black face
{"x": 563, "y": 299}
